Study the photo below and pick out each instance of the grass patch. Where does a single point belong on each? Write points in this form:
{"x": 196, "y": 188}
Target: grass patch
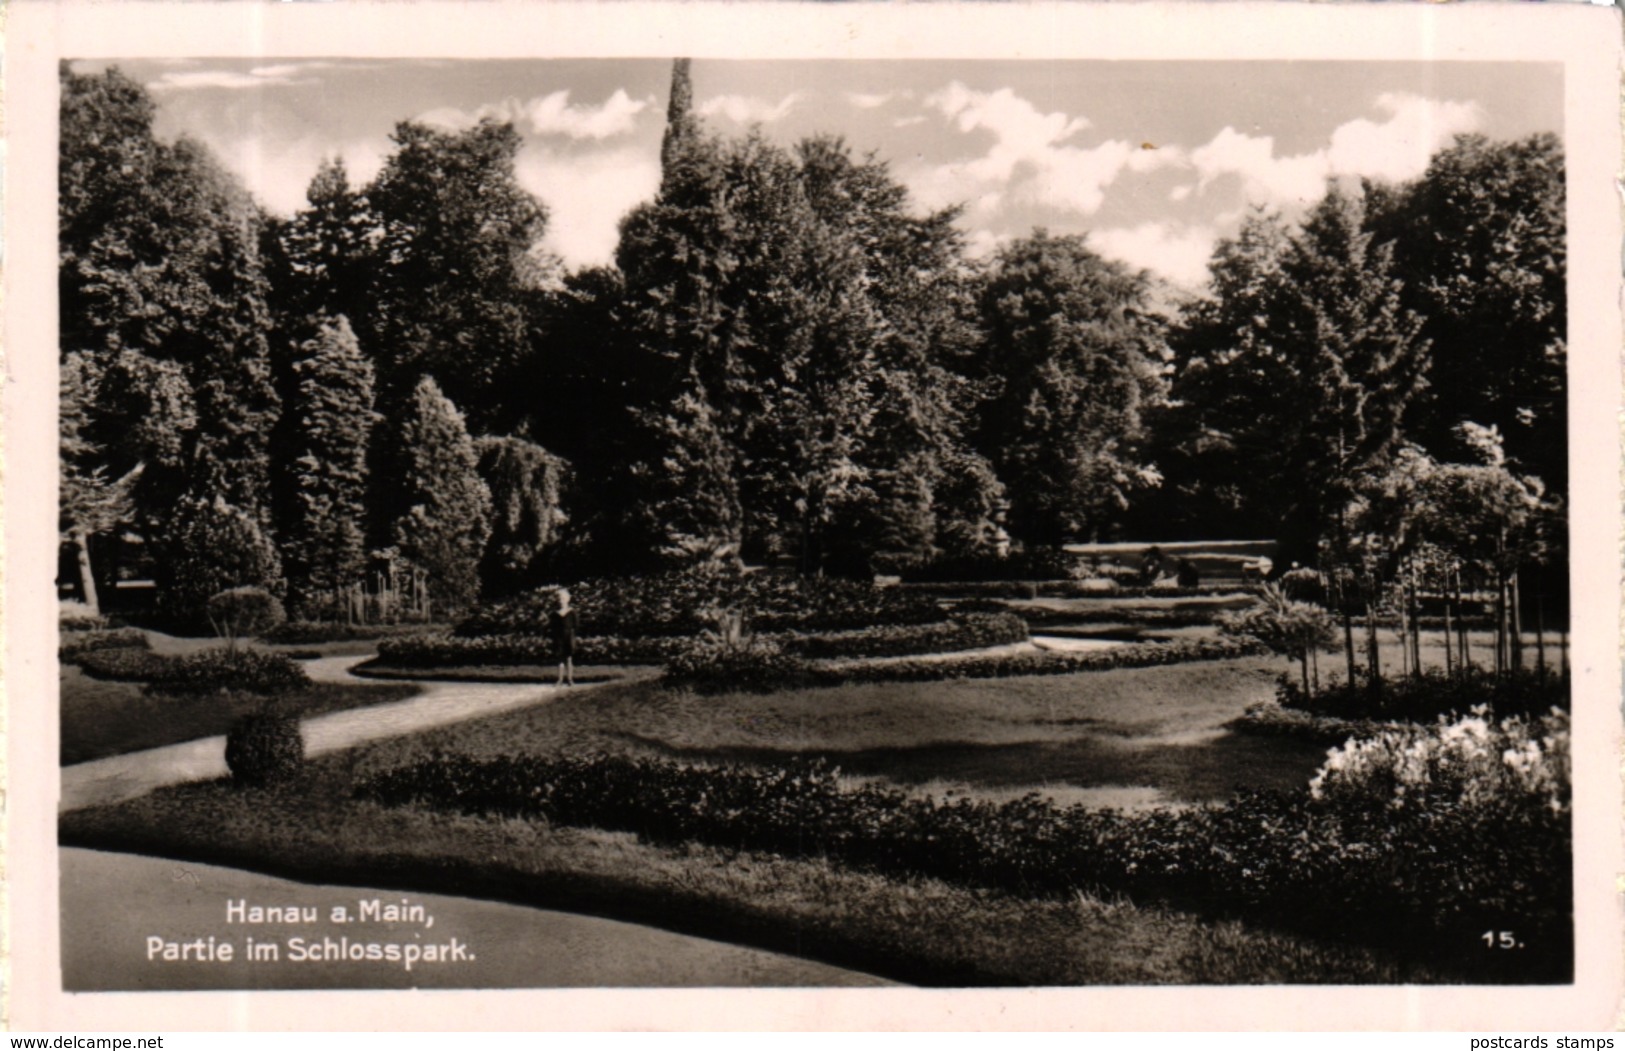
{"x": 101, "y": 718}
{"x": 914, "y": 930}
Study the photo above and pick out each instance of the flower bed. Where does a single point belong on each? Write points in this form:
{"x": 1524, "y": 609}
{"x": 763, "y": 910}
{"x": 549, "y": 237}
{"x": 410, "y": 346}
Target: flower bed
{"x": 705, "y": 670}
{"x": 75, "y": 644}
{"x": 1423, "y": 838}
{"x": 207, "y": 671}
{"x": 446, "y": 651}
{"x": 311, "y": 632}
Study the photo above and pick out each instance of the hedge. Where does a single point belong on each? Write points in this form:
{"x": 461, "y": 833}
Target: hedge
{"x": 687, "y": 603}
{"x": 1428, "y": 874}
{"x": 1091, "y": 588}
{"x": 450, "y": 651}
{"x": 75, "y": 644}
{"x": 207, "y": 671}
{"x": 311, "y": 632}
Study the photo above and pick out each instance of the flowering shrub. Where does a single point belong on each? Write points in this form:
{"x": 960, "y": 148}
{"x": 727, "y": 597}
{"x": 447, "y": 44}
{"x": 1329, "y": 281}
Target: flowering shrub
{"x": 1484, "y": 845}
{"x": 1469, "y": 763}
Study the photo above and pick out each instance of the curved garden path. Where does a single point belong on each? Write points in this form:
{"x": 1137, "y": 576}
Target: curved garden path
{"x": 121, "y": 777}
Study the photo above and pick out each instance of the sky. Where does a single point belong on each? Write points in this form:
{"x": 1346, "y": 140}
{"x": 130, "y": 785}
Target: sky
{"x": 1154, "y": 161}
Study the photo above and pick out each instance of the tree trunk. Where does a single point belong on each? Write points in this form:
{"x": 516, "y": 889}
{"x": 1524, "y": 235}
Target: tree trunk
{"x": 1373, "y": 651}
{"x": 87, "y": 579}
{"x": 1450, "y": 639}
{"x": 1540, "y": 635}
{"x": 1303, "y": 662}
{"x": 1517, "y": 623}
{"x": 1348, "y": 629}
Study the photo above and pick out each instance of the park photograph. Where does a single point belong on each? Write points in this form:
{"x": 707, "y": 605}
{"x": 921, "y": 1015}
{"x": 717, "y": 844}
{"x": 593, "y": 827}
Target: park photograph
{"x": 690, "y": 522}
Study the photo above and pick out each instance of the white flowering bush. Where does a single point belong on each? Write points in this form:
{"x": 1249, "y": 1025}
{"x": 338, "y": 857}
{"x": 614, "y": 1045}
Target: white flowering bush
{"x": 1471, "y": 763}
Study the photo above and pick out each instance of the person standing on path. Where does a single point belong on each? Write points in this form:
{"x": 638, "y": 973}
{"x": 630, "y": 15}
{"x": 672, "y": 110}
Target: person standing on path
{"x": 562, "y": 625}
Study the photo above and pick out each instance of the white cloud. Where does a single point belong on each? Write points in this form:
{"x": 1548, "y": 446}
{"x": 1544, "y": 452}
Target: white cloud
{"x": 1401, "y": 146}
{"x": 550, "y": 115}
{"x": 1179, "y": 193}
{"x": 231, "y": 79}
{"x": 586, "y": 195}
{"x": 1393, "y": 149}
{"x": 1012, "y": 119}
{"x": 553, "y": 115}
{"x": 908, "y": 122}
{"x": 1178, "y": 253}
{"x": 1028, "y": 163}
{"x": 746, "y": 109}
{"x": 874, "y": 101}
{"x": 278, "y": 173}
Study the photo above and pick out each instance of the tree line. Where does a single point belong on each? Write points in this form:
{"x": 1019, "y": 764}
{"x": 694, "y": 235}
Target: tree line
{"x": 397, "y": 391}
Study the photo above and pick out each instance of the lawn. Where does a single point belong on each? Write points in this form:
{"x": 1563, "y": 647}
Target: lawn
{"x": 100, "y": 718}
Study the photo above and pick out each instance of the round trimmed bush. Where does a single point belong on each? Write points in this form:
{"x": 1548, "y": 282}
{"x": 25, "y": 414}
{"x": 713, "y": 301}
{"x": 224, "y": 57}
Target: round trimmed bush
{"x": 264, "y": 748}
{"x": 242, "y": 613}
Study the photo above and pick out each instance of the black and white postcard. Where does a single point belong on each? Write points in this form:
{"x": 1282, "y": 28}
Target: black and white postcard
{"x": 562, "y": 508}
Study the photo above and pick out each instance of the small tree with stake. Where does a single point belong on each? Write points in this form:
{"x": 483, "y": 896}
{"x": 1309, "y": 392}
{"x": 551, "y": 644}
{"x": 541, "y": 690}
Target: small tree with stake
{"x": 1292, "y": 629}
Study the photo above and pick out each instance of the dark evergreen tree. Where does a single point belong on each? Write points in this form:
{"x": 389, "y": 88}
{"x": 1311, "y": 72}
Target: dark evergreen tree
{"x": 211, "y": 547}
{"x": 438, "y": 510}
{"x": 323, "y": 483}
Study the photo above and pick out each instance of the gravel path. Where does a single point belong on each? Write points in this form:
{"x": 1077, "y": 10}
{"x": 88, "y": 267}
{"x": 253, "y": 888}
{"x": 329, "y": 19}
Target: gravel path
{"x": 121, "y": 777}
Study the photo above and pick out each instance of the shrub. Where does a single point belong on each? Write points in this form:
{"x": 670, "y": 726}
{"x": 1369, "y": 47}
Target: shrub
{"x": 1290, "y": 628}
{"x": 1431, "y": 695}
{"x": 243, "y": 613}
{"x": 122, "y": 664}
{"x": 718, "y": 665}
{"x": 264, "y": 748}
{"x": 1030, "y": 565}
{"x": 76, "y": 616}
{"x": 75, "y": 644}
{"x": 211, "y": 671}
